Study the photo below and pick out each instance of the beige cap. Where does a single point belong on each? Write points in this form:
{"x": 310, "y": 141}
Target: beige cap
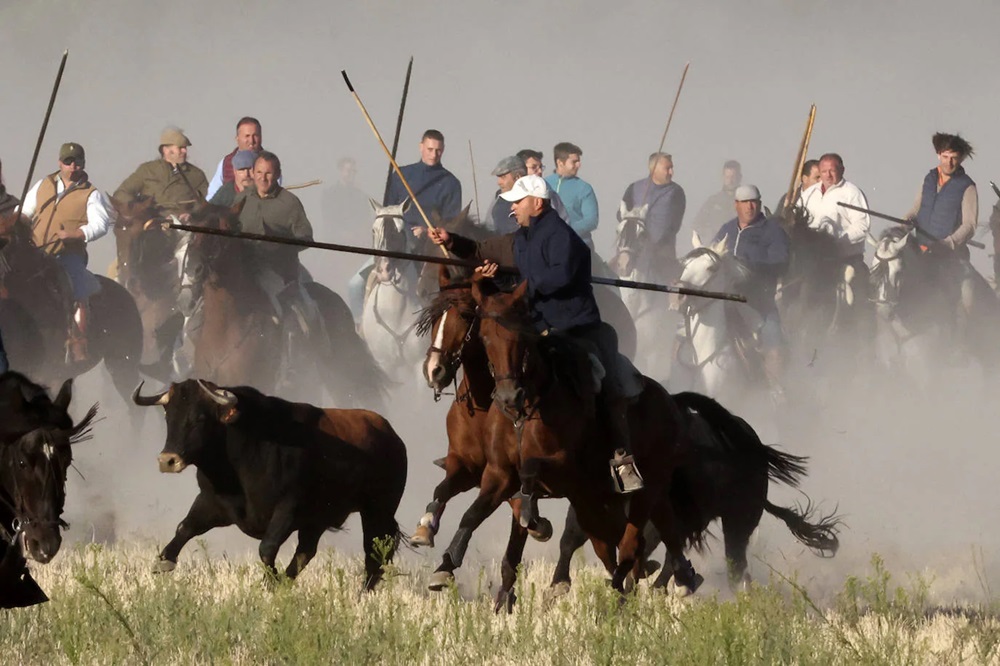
{"x": 174, "y": 136}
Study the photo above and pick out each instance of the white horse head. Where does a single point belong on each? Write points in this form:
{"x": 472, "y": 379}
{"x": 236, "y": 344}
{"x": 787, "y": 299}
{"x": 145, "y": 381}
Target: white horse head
{"x": 630, "y": 234}
{"x": 886, "y": 268}
{"x": 388, "y": 229}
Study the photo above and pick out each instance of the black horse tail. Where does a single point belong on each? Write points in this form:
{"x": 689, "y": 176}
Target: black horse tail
{"x": 737, "y": 436}
{"x": 820, "y": 537}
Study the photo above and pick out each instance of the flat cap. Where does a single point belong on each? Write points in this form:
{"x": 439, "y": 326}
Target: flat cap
{"x": 508, "y": 164}
{"x": 174, "y": 136}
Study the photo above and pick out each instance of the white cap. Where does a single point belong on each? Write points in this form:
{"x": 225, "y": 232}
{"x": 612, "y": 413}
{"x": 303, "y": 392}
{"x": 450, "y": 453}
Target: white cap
{"x": 528, "y": 186}
{"x": 747, "y": 193}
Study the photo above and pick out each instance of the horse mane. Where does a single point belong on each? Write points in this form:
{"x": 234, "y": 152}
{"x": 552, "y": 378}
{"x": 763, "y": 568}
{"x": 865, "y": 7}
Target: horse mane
{"x": 443, "y": 301}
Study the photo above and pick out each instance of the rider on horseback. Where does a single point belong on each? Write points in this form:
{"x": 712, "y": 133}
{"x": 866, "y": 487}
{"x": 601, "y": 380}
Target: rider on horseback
{"x": 556, "y": 264}
{"x": 662, "y": 221}
{"x": 762, "y": 245}
{"x": 271, "y": 210}
{"x": 66, "y": 213}
{"x": 946, "y": 214}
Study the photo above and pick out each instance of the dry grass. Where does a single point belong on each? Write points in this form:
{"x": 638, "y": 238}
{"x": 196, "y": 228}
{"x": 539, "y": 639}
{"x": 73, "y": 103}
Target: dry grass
{"x": 107, "y": 607}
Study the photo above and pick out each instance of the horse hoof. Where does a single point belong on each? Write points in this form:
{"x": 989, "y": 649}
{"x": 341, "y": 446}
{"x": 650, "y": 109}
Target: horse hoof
{"x": 682, "y": 590}
{"x": 164, "y": 566}
{"x": 628, "y": 585}
{"x": 422, "y": 536}
{"x": 542, "y": 530}
{"x": 504, "y": 600}
{"x": 555, "y": 592}
{"x": 440, "y": 580}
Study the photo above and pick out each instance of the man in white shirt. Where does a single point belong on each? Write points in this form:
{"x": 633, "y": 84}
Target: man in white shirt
{"x": 821, "y": 201}
{"x": 66, "y": 213}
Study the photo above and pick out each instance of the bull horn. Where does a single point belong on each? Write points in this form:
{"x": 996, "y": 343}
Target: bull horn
{"x": 150, "y": 400}
{"x": 219, "y": 396}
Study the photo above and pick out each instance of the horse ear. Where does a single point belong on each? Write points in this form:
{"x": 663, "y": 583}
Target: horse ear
{"x": 643, "y": 210}
{"x": 374, "y": 204}
{"x": 465, "y": 211}
{"x": 622, "y": 210}
{"x": 477, "y": 288}
{"x": 237, "y": 207}
{"x": 405, "y": 206}
{"x": 696, "y": 239}
{"x": 720, "y": 247}
{"x": 65, "y": 395}
{"x": 521, "y": 291}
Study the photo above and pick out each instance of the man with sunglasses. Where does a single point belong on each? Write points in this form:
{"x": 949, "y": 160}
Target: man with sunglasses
{"x": 66, "y": 213}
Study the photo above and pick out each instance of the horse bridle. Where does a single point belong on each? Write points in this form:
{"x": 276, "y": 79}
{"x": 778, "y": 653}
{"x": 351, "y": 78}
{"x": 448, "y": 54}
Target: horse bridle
{"x": 452, "y": 360}
{"x": 21, "y": 522}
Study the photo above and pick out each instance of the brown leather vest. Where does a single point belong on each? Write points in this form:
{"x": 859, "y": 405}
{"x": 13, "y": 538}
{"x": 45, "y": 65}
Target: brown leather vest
{"x": 53, "y": 215}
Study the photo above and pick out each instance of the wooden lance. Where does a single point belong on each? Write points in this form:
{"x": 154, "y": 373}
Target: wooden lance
{"x": 45, "y": 124}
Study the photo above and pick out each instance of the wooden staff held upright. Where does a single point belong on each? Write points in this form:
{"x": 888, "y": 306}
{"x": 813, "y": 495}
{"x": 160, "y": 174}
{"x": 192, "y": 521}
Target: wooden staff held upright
{"x": 800, "y": 160}
{"x": 392, "y": 160}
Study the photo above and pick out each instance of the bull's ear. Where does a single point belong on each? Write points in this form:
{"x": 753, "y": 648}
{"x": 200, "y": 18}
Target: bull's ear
{"x": 230, "y": 415}
{"x": 65, "y": 395}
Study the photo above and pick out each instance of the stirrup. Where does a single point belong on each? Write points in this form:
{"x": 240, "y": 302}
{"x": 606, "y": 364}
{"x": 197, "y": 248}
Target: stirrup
{"x": 624, "y": 474}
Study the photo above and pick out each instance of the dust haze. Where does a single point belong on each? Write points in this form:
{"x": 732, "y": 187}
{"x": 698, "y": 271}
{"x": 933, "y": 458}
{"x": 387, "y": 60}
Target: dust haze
{"x": 914, "y": 475}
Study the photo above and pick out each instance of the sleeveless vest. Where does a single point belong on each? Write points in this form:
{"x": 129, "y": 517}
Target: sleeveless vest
{"x": 54, "y": 214}
{"x": 941, "y": 212}
{"x": 228, "y": 174}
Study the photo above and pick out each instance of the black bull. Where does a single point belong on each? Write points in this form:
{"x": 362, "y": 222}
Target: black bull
{"x": 273, "y": 467}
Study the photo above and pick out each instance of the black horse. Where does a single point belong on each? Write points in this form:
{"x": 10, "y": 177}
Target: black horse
{"x": 35, "y": 315}
{"x": 36, "y": 434}
{"x": 726, "y": 478}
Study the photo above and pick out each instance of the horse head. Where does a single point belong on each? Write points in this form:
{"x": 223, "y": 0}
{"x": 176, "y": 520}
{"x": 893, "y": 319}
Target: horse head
{"x": 707, "y": 267}
{"x": 389, "y": 228}
{"x": 451, "y": 321}
{"x": 629, "y": 239}
{"x": 887, "y": 270}
{"x": 511, "y": 344}
{"x": 33, "y": 478}
{"x": 141, "y": 240}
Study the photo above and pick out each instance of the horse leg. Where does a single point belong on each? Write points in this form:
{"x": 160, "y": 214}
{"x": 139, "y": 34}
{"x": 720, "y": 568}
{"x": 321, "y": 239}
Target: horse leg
{"x": 497, "y": 486}
{"x": 457, "y": 480}
{"x": 630, "y": 546}
{"x": 573, "y": 538}
{"x": 686, "y": 579}
{"x": 511, "y": 559}
{"x": 530, "y": 470}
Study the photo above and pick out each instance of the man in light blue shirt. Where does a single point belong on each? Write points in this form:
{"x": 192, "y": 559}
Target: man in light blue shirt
{"x": 577, "y": 195}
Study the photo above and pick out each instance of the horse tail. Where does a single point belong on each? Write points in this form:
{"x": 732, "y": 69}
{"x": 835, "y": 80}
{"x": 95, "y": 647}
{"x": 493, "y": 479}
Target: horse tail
{"x": 820, "y": 537}
{"x": 738, "y": 437}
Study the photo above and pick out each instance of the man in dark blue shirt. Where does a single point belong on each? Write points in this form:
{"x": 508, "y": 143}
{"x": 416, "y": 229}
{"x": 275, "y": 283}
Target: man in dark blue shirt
{"x": 555, "y": 261}
{"x": 761, "y": 244}
{"x": 436, "y": 188}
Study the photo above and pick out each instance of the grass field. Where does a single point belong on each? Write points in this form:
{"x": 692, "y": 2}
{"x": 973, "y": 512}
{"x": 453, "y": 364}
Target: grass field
{"x": 107, "y": 607}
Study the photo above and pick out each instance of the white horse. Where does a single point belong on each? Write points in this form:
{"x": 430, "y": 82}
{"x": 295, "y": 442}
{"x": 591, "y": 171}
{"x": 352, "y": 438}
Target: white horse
{"x": 707, "y": 359}
{"x": 388, "y": 321}
{"x": 636, "y": 260}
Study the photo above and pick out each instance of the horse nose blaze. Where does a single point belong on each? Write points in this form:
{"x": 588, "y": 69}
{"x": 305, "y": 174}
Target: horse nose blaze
{"x": 171, "y": 463}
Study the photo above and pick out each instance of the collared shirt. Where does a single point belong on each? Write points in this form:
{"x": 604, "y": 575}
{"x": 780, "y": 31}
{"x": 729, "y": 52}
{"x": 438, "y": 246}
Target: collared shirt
{"x": 100, "y": 215}
{"x": 849, "y": 227}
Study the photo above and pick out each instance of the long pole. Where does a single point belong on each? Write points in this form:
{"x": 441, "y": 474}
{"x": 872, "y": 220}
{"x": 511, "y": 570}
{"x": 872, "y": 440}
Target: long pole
{"x": 663, "y": 137}
{"x": 475, "y": 186}
{"x": 899, "y": 220}
{"x": 447, "y": 261}
{"x": 45, "y": 125}
{"x": 800, "y": 160}
{"x": 392, "y": 160}
{"x": 399, "y": 128}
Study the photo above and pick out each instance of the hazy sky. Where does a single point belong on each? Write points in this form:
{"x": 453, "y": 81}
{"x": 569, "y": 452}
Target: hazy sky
{"x": 884, "y": 75}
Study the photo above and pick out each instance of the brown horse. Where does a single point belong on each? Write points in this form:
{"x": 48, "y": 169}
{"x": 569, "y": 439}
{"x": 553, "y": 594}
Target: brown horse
{"x": 451, "y": 320}
{"x": 36, "y": 306}
{"x": 147, "y": 266}
{"x": 241, "y": 341}
{"x": 561, "y": 449}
